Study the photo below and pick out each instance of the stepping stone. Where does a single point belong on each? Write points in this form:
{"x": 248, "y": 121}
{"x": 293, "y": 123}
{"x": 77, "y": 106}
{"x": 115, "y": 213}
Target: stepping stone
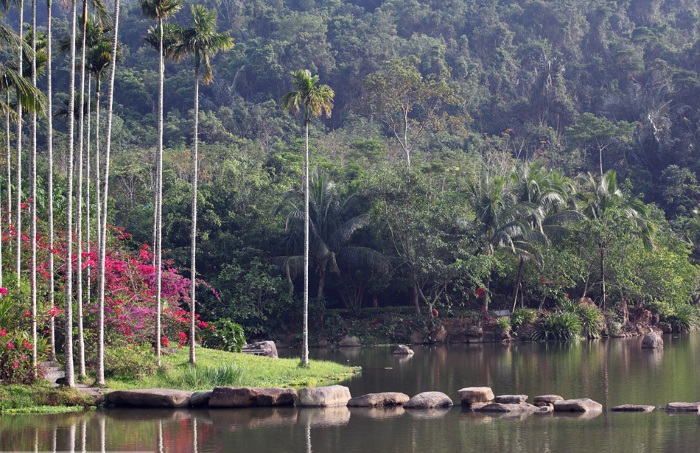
{"x": 547, "y": 400}
{"x": 332, "y": 395}
{"x": 632, "y": 408}
{"x": 379, "y": 400}
{"x": 429, "y": 400}
{"x": 472, "y": 395}
{"x": 683, "y": 407}
{"x": 577, "y": 405}
{"x": 252, "y": 397}
{"x": 511, "y": 399}
{"x": 157, "y": 397}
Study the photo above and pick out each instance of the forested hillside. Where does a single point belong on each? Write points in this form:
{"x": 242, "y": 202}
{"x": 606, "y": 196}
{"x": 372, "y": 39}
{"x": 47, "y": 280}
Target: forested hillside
{"x": 480, "y": 153}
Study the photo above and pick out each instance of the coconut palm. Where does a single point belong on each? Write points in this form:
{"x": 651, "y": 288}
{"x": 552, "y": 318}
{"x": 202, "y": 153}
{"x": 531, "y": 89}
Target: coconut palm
{"x": 604, "y": 206}
{"x": 159, "y": 10}
{"x": 203, "y": 42}
{"x": 311, "y": 99}
{"x": 332, "y": 225}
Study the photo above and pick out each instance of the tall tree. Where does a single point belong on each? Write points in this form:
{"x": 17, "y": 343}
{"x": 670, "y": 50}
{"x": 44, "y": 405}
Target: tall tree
{"x": 102, "y": 230}
{"x": 202, "y": 41}
{"x": 159, "y": 10}
{"x": 311, "y": 100}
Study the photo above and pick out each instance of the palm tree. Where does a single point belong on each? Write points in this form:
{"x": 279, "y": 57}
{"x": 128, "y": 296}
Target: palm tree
{"x": 202, "y": 41}
{"x": 159, "y": 10}
{"x": 102, "y": 230}
{"x": 604, "y": 206}
{"x": 312, "y": 100}
{"x": 49, "y": 146}
{"x": 332, "y": 225}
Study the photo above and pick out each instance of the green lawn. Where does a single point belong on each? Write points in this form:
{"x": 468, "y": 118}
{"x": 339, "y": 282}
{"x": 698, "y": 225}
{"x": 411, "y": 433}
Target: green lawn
{"x": 250, "y": 371}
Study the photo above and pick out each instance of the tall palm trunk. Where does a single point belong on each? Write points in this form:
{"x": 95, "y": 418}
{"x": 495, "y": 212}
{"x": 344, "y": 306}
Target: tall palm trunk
{"x": 159, "y": 195}
{"x": 8, "y": 152}
{"x": 193, "y": 246}
{"x": 103, "y": 220}
{"x": 18, "y": 183}
{"x": 602, "y": 273}
{"x": 98, "y": 178}
{"x": 88, "y": 226}
{"x": 305, "y": 345}
{"x": 70, "y": 379}
{"x": 518, "y": 282}
{"x": 33, "y": 204}
{"x": 79, "y": 210}
{"x": 49, "y": 144}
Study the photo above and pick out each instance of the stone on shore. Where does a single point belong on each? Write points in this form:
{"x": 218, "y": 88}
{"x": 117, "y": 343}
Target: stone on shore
{"x": 402, "y": 349}
{"x": 252, "y": 397}
{"x": 157, "y": 397}
{"x": 429, "y": 400}
{"x": 200, "y": 399}
{"x": 632, "y": 408}
{"x": 577, "y": 405}
{"x": 473, "y": 395}
{"x": 332, "y": 395}
{"x": 511, "y": 399}
{"x": 261, "y": 348}
{"x": 546, "y": 400}
{"x": 683, "y": 407}
{"x": 379, "y": 400}
{"x": 349, "y": 341}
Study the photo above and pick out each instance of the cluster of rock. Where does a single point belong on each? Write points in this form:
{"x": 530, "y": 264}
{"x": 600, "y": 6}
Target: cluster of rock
{"x": 477, "y": 399}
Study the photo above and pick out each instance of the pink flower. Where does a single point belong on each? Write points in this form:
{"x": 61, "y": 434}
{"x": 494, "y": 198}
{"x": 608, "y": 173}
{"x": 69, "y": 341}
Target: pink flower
{"x": 10, "y": 345}
{"x": 15, "y": 365}
{"x": 2, "y": 333}
{"x": 3, "y": 291}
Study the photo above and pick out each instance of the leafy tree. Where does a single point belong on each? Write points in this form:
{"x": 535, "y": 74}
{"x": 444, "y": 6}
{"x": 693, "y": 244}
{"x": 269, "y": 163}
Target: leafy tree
{"x": 311, "y": 99}
{"x": 599, "y": 134}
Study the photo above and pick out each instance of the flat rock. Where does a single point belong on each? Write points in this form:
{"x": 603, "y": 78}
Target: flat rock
{"x": 472, "y": 395}
{"x": 429, "y": 400}
{"x": 517, "y": 408}
{"x": 200, "y": 399}
{"x": 157, "y": 397}
{"x": 511, "y": 399}
{"x": 577, "y": 405}
{"x": 402, "y": 349}
{"x": 252, "y": 397}
{"x": 652, "y": 340}
{"x": 262, "y": 348}
{"x": 683, "y": 407}
{"x": 546, "y": 400}
{"x": 379, "y": 400}
{"x": 332, "y": 395}
{"x": 632, "y": 408}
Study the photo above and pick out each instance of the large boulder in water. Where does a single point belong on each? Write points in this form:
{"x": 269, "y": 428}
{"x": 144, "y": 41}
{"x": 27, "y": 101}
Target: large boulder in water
{"x": 157, "y": 397}
{"x": 379, "y": 400}
{"x": 332, "y": 395}
{"x": 546, "y": 400}
{"x": 429, "y": 400}
{"x": 511, "y": 408}
{"x": 252, "y": 397}
{"x": 511, "y": 399}
{"x": 577, "y": 405}
{"x": 402, "y": 349}
{"x": 349, "y": 341}
{"x": 652, "y": 340}
{"x": 473, "y": 395}
{"x": 683, "y": 407}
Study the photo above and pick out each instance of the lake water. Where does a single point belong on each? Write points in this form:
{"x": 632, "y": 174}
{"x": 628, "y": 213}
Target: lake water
{"x": 612, "y": 372}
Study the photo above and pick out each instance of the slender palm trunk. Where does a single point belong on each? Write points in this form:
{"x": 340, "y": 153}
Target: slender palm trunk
{"x": 518, "y": 281}
{"x": 49, "y": 144}
{"x": 193, "y": 246}
{"x": 602, "y": 273}
{"x": 98, "y": 179}
{"x": 415, "y": 292}
{"x": 88, "y": 227}
{"x": 33, "y": 204}
{"x": 103, "y": 220}
{"x": 305, "y": 345}
{"x": 70, "y": 378}
{"x": 79, "y": 211}
{"x": 8, "y": 152}
{"x": 159, "y": 195}
{"x": 18, "y": 182}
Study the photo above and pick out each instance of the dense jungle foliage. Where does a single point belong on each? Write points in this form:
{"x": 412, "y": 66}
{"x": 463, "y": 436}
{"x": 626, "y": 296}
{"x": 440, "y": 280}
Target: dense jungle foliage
{"x": 480, "y": 154}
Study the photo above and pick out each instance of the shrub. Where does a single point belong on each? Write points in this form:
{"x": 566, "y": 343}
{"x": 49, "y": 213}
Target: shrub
{"x": 503, "y": 324}
{"x": 225, "y": 335}
{"x": 592, "y": 320}
{"x": 209, "y": 377}
{"x": 522, "y": 316}
{"x": 130, "y": 362}
{"x": 558, "y": 325}
{"x": 682, "y": 318}
{"x": 16, "y": 358}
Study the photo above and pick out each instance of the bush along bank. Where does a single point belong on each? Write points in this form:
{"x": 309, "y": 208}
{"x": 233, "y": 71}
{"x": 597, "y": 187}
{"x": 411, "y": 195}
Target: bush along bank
{"x": 580, "y": 319}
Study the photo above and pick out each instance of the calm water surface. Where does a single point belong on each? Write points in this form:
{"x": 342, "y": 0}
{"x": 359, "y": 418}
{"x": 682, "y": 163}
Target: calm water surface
{"x": 611, "y": 372}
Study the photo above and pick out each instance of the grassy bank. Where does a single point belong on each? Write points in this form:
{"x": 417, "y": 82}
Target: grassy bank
{"x": 228, "y": 368}
{"x": 42, "y": 398}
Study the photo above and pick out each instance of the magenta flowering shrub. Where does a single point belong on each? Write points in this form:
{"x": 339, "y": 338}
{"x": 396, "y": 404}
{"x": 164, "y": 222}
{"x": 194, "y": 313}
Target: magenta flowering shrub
{"x": 16, "y": 359}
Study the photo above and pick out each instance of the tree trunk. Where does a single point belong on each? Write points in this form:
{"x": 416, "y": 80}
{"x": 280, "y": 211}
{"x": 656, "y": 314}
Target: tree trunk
{"x": 415, "y": 293}
{"x": 193, "y": 246}
{"x": 602, "y": 273}
{"x": 305, "y": 345}
{"x": 518, "y": 281}
{"x": 35, "y": 356}
{"x": 18, "y": 182}
{"x": 69, "y": 208}
{"x": 103, "y": 221}
{"x": 88, "y": 219}
{"x": 158, "y": 252}
{"x": 49, "y": 145}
